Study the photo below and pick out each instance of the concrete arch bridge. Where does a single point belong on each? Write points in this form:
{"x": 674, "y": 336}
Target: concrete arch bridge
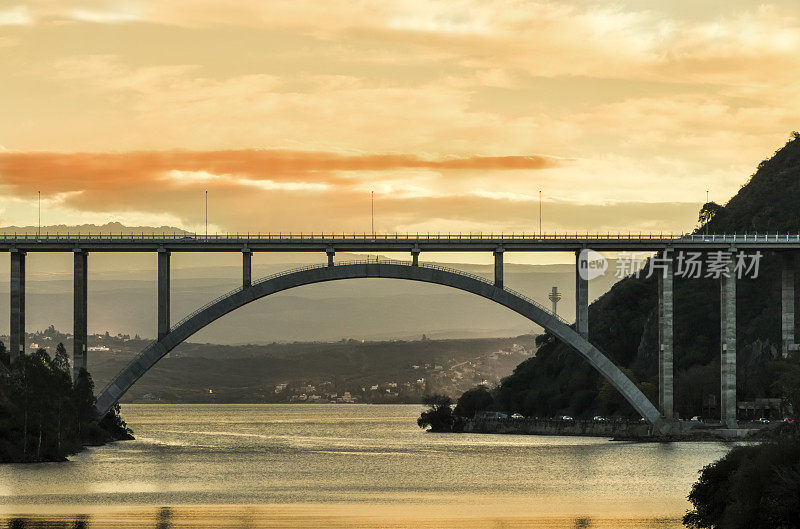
{"x": 388, "y": 269}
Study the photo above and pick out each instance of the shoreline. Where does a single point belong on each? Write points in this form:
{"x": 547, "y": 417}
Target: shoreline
{"x": 623, "y": 431}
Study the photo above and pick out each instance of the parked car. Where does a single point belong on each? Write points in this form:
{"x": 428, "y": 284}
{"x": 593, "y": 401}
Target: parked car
{"x": 696, "y": 418}
{"x": 788, "y": 420}
{"x": 599, "y": 418}
{"x": 517, "y": 416}
{"x": 565, "y": 418}
{"x": 763, "y": 420}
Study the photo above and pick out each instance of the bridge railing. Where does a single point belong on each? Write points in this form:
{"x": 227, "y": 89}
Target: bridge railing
{"x": 389, "y": 237}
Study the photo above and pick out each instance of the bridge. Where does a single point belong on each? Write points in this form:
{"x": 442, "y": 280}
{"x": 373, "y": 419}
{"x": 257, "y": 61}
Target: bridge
{"x": 576, "y": 335}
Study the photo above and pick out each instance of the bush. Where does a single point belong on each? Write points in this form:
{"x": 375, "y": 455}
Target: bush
{"x": 473, "y": 401}
{"x": 439, "y": 416}
{"x": 752, "y": 487}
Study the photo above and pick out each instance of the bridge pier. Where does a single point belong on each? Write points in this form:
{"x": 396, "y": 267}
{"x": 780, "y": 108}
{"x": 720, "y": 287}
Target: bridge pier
{"x": 79, "y": 311}
{"x": 498, "y": 268}
{"x": 16, "y": 344}
{"x": 247, "y": 274}
{"x": 665, "y": 342}
{"x": 581, "y": 299}
{"x": 787, "y": 304}
{"x": 163, "y": 292}
{"x": 728, "y": 349}
{"x": 415, "y": 257}
{"x": 331, "y": 254}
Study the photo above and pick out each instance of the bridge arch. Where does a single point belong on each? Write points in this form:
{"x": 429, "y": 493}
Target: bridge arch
{"x": 429, "y": 273}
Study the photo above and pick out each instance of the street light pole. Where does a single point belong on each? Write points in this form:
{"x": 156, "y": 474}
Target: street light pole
{"x": 206, "y": 214}
{"x": 39, "y": 229}
{"x": 540, "y": 213}
{"x": 372, "y": 211}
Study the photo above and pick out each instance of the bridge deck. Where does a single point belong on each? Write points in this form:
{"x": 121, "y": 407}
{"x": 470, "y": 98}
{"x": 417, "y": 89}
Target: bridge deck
{"x": 320, "y": 242}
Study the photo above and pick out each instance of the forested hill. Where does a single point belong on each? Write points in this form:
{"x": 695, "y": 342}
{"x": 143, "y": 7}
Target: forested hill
{"x": 623, "y": 322}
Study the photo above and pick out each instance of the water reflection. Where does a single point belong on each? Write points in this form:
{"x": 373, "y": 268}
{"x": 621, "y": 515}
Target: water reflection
{"x": 164, "y": 517}
{"x": 256, "y": 517}
{"x": 79, "y": 522}
{"x": 348, "y": 467}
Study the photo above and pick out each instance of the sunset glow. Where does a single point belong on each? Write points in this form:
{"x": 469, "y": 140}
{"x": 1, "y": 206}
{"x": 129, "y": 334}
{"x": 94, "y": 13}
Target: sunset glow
{"x": 456, "y": 114}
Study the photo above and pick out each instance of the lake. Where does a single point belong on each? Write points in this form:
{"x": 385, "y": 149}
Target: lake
{"x": 348, "y": 466}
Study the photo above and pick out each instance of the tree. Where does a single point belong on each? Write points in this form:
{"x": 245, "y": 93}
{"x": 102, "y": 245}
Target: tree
{"x": 62, "y": 390}
{"x": 439, "y": 416}
{"x": 708, "y": 212}
{"x": 788, "y": 382}
{"x": 473, "y": 401}
{"x": 83, "y": 397}
{"x": 43, "y": 416}
{"x": 5, "y": 358}
{"x": 752, "y": 487}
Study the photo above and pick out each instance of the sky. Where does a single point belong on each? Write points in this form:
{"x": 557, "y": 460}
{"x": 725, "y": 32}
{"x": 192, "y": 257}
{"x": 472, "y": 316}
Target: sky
{"x": 456, "y": 114}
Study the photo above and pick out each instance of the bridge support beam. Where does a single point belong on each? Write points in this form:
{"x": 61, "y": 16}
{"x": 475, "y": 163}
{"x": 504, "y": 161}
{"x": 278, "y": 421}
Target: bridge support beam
{"x": 247, "y": 269}
{"x": 415, "y": 257}
{"x": 728, "y": 349}
{"x": 163, "y": 293}
{"x": 16, "y": 345}
{"x": 581, "y": 299}
{"x": 787, "y": 304}
{"x": 79, "y": 312}
{"x": 665, "y": 330}
{"x": 331, "y": 254}
{"x": 498, "y": 268}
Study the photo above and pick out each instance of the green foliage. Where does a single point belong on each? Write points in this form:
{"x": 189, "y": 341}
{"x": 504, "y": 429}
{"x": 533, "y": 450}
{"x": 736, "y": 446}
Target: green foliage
{"x": 708, "y": 211}
{"x": 473, "y": 401}
{"x": 752, "y": 487}
{"x": 45, "y": 417}
{"x": 787, "y": 382}
{"x": 623, "y": 323}
{"x": 439, "y": 415}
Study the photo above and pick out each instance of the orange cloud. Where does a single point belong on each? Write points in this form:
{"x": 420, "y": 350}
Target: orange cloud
{"x": 116, "y": 172}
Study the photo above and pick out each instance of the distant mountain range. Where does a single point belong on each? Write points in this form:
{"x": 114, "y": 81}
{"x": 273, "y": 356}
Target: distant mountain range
{"x": 122, "y": 297}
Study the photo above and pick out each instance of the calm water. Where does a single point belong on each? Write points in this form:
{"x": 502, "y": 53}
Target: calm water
{"x": 348, "y": 466}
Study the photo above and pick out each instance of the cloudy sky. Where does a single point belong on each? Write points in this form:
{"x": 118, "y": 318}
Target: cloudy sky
{"x": 455, "y": 113}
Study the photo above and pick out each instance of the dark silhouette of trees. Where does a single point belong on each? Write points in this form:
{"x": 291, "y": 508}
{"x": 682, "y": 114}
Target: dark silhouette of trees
{"x": 473, "y": 401}
{"x": 439, "y": 416}
{"x": 43, "y": 416}
{"x": 752, "y": 487}
{"x": 707, "y": 212}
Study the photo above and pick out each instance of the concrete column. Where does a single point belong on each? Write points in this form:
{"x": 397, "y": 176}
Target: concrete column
{"x": 331, "y": 253}
{"x": 581, "y": 299}
{"x": 665, "y": 352}
{"x": 787, "y": 304}
{"x": 415, "y": 257}
{"x": 498, "y": 268}
{"x": 16, "y": 344}
{"x": 247, "y": 274}
{"x": 163, "y": 293}
{"x": 728, "y": 349}
{"x": 79, "y": 313}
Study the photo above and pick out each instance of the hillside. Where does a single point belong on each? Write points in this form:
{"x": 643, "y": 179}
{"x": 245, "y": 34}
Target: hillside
{"x": 623, "y": 322}
{"x": 375, "y": 372}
